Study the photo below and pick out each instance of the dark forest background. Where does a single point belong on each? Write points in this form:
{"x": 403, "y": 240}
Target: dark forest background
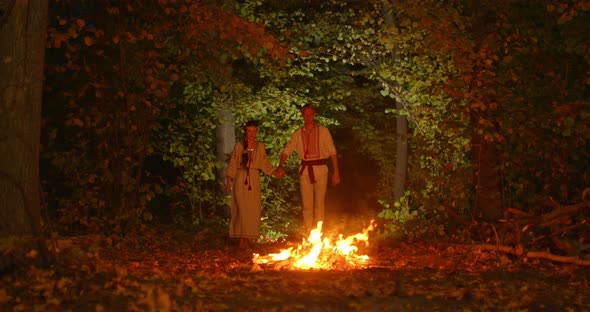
{"x": 466, "y": 119}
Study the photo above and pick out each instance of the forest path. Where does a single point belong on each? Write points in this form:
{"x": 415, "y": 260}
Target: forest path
{"x": 165, "y": 272}
{"x": 352, "y": 204}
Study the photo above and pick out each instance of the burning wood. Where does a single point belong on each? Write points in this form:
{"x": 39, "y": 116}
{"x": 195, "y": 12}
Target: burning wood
{"x": 316, "y": 252}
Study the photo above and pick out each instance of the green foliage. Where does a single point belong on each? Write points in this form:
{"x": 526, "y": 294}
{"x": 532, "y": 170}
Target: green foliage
{"x": 280, "y": 212}
{"x": 110, "y": 102}
{"x": 426, "y": 59}
{"x": 395, "y": 219}
{"x": 543, "y": 69}
{"x": 389, "y": 60}
{"x": 187, "y": 143}
{"x": 101, "y": 103}
{"x": 394, "y": 58}
{"x": 439, "y": 159}
{"x": 400, "y": 221}
{"x": 109, "y": 83}
{"x": 276, "y": 100}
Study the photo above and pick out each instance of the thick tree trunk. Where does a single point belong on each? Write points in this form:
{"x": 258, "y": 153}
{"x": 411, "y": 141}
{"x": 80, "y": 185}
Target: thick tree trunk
{"x": 488, "y": 186}
{"x": 486, "y": 156}
{"x": 22, "y": 56}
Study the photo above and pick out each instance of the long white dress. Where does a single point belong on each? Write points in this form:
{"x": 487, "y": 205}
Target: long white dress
{"x": 246, "y": 200}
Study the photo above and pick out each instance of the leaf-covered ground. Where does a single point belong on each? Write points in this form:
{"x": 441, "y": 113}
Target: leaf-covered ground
{"x": 171, "y": 272}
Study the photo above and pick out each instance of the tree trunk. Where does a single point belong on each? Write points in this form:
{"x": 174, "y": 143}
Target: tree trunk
{"x": 486, "y": 156}
{"x": 401, "y": 155}
{"x": 226, "y": 139}
{"x": 401, "y": 148}
{"x": 22, "y": 56}
{"x": 488, "y": 186}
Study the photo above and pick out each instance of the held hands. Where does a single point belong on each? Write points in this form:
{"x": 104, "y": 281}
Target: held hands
{"x": 279, "y": 173}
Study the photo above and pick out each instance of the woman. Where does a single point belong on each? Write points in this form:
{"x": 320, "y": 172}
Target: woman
{"x": 247, "y": 158}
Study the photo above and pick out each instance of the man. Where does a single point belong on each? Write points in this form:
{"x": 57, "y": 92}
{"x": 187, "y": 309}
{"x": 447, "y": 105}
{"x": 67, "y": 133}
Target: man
{"x": 314, "y": 145}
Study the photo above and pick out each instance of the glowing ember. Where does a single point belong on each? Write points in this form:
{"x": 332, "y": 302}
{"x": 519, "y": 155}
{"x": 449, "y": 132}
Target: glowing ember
{"x": 317, "y": 253}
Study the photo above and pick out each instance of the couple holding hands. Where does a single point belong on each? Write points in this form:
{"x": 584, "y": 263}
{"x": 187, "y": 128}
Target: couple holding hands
{"x": 313, "y": 144}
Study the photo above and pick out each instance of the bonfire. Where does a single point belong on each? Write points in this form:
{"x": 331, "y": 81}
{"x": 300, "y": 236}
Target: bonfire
{"x": 318, "y": 252}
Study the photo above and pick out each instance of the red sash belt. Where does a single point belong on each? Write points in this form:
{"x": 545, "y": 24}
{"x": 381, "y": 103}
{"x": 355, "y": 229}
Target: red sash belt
{"x": 309, "y": 164}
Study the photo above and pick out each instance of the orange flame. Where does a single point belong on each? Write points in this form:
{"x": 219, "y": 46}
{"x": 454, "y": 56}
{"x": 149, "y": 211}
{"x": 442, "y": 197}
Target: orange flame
{"x": 316, "y": 252}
